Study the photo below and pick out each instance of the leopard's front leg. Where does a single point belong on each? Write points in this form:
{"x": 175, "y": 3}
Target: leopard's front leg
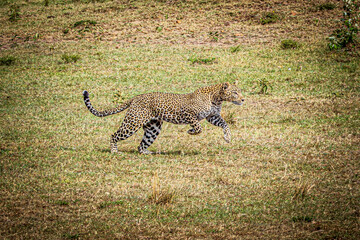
{"x": 218, "y": 121}
{"x": 196, "y": 128}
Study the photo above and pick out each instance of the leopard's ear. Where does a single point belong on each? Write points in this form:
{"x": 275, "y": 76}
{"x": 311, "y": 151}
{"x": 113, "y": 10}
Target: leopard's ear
{"x": 226, "y": 85}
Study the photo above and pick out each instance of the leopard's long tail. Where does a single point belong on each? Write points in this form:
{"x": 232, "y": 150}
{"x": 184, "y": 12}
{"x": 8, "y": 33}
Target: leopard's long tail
{"x": 105, "y": 113}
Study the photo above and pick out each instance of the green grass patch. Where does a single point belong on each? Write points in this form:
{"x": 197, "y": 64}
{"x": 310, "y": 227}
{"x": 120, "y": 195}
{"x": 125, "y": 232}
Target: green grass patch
{"x": 197, "y": 60}
{"x": 72, "y": 58}
{"x": 302, "y": 219}
{"x": 326, "y": 6}
{"x": 289, "y": 44}
{"x": 14, "y": 13}
{"x": 84, "y": 23}
{"x": 7, "y": 60}
{"x": 269, "y": 17}
{"x": 111, "y": 203}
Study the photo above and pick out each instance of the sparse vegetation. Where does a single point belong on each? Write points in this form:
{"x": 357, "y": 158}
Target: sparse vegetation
{"x": 291, "y": 170}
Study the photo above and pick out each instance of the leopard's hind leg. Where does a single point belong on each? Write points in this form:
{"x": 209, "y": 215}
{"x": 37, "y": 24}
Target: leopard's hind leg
{"x": 131, "y": 124}
{"x": 151, "y": 131}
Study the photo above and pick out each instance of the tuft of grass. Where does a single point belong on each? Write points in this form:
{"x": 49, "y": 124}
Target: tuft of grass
{"x": 235, "y": 49}
{"x": 289, "y": 44}
{"x": 197, "y": 60}
{"x": 7, "y": 60}
{"x": 302, "y": 190}
{"x": 264, "y": 86}
{"x": 326, "y": 6}
{"x": 302, "y": 219}
{"x": 62, "y": 202}
{"x": 71, "y": 236}
{"x": 269, "y": 17}
{"x": 14, "y": 13}
{"x": 159, "y": 196}
{"x": 230, "y": 117}
{"x": 215, "y": 35}
{"x": 221, "y": 180}
{"x": 119, "y": 97}
{"x": 70, "y": 58}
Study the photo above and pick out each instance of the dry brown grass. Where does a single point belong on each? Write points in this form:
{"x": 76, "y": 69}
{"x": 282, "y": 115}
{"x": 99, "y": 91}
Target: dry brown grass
{"x": 160, "y": 22}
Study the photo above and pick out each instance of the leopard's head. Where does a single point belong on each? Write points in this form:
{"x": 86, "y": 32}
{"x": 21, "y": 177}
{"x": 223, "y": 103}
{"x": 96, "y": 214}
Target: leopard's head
{"x": 231, "y": 93}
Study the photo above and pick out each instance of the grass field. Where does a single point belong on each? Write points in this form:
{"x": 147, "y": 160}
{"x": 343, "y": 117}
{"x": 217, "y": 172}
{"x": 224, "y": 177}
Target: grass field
{"x": 292, "y": 170}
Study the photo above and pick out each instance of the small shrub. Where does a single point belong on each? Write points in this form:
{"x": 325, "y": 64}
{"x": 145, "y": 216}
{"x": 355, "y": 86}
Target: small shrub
{"x": 289, "y": 44}
{"x": 194, "y": 60}
{"x": 269, "y": 17}
{"x": 340, "y": 38}
{"x": 326, "y": 6}
{"x": 70, "y": 58}
{"x": 7, "y": 60}
{"x": 347, "y": 34}
{"x": 14, "y": 13}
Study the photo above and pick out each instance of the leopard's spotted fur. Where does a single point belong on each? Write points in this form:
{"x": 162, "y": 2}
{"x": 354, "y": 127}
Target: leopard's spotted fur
{"x": 151, "y": 109}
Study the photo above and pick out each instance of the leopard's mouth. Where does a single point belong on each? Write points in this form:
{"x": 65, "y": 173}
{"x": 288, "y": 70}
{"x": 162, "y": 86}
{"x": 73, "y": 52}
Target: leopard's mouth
{"x": 238, "y": 102}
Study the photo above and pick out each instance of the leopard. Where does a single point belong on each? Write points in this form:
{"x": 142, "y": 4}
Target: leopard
{"x": 150, "y": 110}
